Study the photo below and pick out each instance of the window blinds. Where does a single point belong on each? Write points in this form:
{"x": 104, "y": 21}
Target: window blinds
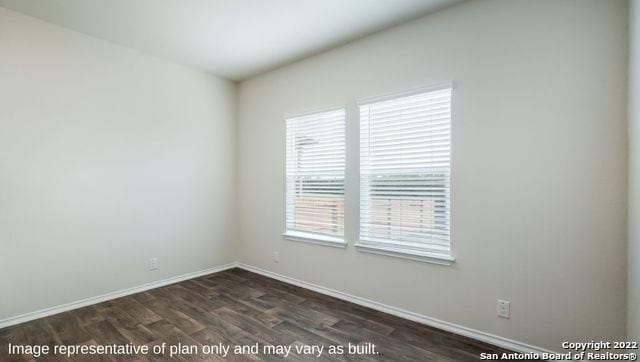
{"x": 405, "y": 172}
{"x": 315, "y": 164}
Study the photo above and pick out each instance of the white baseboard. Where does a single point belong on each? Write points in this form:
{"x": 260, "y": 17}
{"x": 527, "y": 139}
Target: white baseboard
{"x": 109, "y": 296}
{"x": 398, "y": 312}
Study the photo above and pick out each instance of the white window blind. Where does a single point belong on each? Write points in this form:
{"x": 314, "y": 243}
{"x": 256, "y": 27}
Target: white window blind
{"x": 315, "y": 175}
{"x": 405, "y": 173}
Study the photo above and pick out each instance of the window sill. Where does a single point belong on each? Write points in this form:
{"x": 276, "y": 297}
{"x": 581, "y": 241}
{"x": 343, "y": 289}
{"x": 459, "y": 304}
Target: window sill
{"x": 315, "y": 239}
{"x": 404, "y": 254}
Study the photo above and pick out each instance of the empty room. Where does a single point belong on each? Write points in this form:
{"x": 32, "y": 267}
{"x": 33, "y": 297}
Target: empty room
{"x": 319, "y": 180}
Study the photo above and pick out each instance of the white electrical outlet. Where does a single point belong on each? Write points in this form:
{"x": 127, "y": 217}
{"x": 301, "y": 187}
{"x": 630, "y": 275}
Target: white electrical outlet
{"x": 276, "y": 257}
{"x": 153, "y": 264}
{"x": 504, "y": 308}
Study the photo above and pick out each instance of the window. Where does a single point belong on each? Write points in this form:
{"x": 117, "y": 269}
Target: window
{"x": 405, "y": 175}
{"x": 315, "y": 177}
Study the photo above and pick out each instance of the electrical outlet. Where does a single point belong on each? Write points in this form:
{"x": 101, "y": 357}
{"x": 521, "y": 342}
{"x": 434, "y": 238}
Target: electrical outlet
{"x": 153, "y": 264}
{"x": 503, "y": 308}
{"x": 276, "y": 257}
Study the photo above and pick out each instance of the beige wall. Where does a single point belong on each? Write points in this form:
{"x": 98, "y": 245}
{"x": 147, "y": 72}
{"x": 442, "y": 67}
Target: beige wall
{"x": 107, "y": 157}
{"x": 539, "y": 166}
{"x": 633, "y": 301}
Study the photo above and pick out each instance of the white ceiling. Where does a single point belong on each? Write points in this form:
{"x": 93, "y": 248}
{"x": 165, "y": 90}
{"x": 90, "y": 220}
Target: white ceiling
{"x": 230, "y": 38}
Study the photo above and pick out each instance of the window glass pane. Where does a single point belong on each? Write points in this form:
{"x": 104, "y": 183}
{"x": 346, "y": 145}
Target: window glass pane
{"x": 405, "y": 172}
{"x": 315, "y": 173}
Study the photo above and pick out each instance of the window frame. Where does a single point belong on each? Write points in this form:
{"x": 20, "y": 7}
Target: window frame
{"x": 389, "y": 249}
{"x": 310, "y": 237}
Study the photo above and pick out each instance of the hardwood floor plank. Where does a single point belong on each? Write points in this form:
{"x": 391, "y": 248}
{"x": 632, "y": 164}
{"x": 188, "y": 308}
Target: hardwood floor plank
{"x": 67, "y": 328}
{"x": 240, "y": 308}
{"x": 105, "y": 333}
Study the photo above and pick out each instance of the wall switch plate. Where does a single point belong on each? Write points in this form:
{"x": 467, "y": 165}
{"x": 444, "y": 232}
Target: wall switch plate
{"x": 153, "y": 264}
{"x": 276, "y": 257}
{"x": 504, "y": 308}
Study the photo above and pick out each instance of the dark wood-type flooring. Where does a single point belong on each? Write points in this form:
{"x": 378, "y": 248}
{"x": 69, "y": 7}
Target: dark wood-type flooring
{"x": 236, "y": 307}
